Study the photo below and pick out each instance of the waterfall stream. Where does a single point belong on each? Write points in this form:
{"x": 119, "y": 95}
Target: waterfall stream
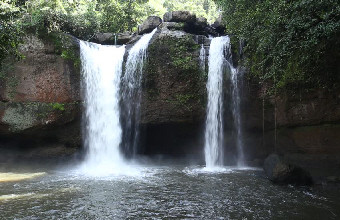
{"x": 220, "y": 56}
{"x": 102, "y": 69}
{"x": 236, "y": 111}
{"x": 214, "y": 122}
{"x": 132, "y": 91}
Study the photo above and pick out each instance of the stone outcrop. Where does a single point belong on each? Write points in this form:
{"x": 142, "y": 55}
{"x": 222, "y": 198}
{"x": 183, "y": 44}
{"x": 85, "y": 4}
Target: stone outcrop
{"x": 149, "y": 24}
{"x": 40, "y": 95}
{"x": 174, "y": 95}
{"x": 283, "y": 173}
{"x": 307, "y": 123}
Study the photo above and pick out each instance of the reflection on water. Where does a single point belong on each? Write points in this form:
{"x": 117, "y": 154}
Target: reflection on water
{"x": 10, "y": 177}
{"x": 176, "y": 192}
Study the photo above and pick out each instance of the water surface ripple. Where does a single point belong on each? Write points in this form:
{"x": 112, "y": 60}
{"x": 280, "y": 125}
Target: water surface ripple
{"x": 168, "y": 192}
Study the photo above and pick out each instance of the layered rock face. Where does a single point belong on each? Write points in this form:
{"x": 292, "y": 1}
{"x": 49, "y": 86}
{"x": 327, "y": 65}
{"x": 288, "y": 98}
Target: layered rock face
{"x": 174, "y": 95}
{"x": 40, "y": 99}
{"x": 307, "y": 125}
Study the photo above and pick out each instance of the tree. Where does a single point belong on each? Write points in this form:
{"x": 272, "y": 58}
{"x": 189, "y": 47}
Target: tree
{"x": 9, "y": 30}
{"x": 296, "y": 41}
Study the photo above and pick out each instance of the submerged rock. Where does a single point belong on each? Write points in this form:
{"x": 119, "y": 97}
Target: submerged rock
{"x": 149, "y": 24}
{"x": 282, "y": 173}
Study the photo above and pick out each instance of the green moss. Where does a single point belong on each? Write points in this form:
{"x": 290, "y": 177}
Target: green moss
{"x": 7, "y": 66}
{"x": 183, "y": 100}
{"x": 70, "y": 55}
{"x": 12, "y": 84}
{"x": 64, "y": 46}
{"x": 182, "y": 53}
{"x": 58, "y": 106}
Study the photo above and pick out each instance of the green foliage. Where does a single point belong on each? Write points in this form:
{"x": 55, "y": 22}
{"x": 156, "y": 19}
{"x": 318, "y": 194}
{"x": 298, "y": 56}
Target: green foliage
{"x": 10, "y": 31}
{"x": 58, "y": 106}
{"x": 202, "y": 8}
{"x": 182, "y": 53}
{"x": 70, "y": 55}
{"x": 292, "y": 43}
{"x": 183, "y": 99}
{"x": 83, "y": 18}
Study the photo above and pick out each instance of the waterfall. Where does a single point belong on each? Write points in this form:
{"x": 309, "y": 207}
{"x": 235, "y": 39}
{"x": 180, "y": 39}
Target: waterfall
{"x": 220, "y": 49}
{"x": 102, "y": 69}
{"x": 202, "y": 58}
{"x": 235, "y": 107}
{"x": 132, "y": 91}
{"x": 214, "y": 121}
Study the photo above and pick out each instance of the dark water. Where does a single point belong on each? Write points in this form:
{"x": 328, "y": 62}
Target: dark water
{"x": 168, "y": 192}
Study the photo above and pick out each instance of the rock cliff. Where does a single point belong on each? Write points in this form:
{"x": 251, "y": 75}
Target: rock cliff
{"x": 40, "y": 100}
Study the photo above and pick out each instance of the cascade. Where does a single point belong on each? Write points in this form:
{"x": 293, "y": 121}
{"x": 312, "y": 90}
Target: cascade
{"x": 235, "y": 107}
{"x": 220, "y": 56}
{"x": 214, "y": 120}
{"x": 102, "y": 69}
{"x": 131, "y": 93}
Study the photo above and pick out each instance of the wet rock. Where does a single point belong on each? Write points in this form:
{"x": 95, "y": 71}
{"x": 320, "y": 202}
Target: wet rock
{"x": 149, "y": 24}
{"x": 179, "y": 16}
{"x": 282, "y": 173}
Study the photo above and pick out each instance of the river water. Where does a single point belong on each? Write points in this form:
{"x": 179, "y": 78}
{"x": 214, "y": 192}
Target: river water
{"x": 164, "y": 192}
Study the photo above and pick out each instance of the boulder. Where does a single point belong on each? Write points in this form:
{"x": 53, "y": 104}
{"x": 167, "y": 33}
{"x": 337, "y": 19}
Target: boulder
{"x": 149, "y": 24}
{"x": 219, "y": 27}
{"x": 104, "y": 38}
{"x": 179, "y": 16}
{"x": 201, "y": 24}
{"x": 210, "y": 31}
{"x": 282, "y": 173}
{"x": 112, "y": 39}
{"x": 124, "y": 38}
{"x": 172, "y": 25}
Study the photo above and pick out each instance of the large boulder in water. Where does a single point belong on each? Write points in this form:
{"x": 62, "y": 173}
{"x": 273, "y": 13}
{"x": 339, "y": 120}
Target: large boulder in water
{"x": 149, "y": 24}
{"x": 282, "y": 173}
{"x": 179, "y": 16}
